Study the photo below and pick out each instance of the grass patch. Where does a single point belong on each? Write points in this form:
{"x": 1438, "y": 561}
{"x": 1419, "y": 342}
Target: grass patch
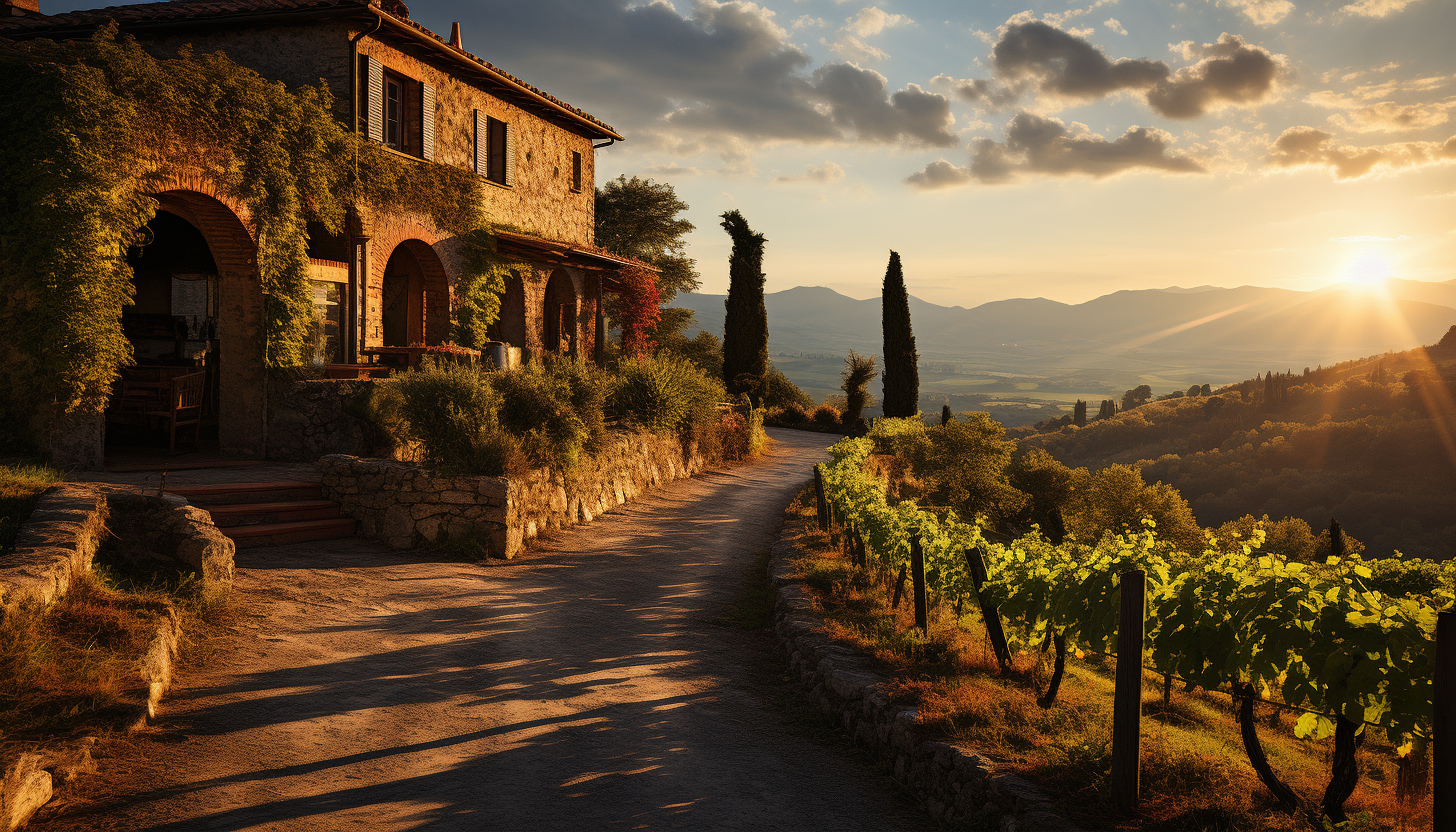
{"x": 74, "y": 667}
{"x": 20, "y": 487}
{"x": 1195, "y": 775}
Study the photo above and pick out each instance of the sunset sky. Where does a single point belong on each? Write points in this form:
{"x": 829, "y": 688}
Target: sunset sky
{"x": 1062, "y": 150}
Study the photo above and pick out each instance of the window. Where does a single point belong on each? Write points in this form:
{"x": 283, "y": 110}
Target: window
{"x": 396, "y": 111}
{"x": 495, "y": 149}
{"x": 575, "y": 172}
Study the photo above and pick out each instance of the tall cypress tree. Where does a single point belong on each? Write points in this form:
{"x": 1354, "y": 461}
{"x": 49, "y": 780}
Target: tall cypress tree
{"x": 1079, "y": 413}
{"x": 902, "y": 375}
{"x": 745, "y": 324}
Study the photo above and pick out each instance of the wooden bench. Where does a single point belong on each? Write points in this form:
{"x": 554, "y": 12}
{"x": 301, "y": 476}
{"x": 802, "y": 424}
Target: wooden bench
{"x": 181, "y": 407}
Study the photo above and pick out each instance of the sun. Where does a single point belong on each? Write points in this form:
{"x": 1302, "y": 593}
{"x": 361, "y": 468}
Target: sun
{"x": 1370, "y": 269}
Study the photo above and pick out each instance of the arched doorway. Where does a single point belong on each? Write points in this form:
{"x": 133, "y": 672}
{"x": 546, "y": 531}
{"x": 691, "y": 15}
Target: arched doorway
{"x": 197, "y": 314}
{"x": 510, "y": 326}
{"x": 415, "y": 302}
{"x": 559, "y": 329}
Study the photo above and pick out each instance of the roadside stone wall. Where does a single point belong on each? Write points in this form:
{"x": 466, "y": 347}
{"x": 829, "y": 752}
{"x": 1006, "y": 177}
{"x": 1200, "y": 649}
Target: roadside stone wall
{"x": 54, "y": 545}
{"x": 168, "y": 530}
{"x": 406, "y": 504}
{"x": 957, "y": 786}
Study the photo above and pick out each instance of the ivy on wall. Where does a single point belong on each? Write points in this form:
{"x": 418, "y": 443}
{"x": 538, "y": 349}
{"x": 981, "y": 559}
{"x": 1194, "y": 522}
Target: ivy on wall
{"x": 91, "y": 126}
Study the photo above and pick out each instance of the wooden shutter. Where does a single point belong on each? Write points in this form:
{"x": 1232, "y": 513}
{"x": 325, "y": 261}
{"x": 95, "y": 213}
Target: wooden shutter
{"x": 376, "y": 100}
{"x": 482, "y": 145}
{"x": 427, "y": 122}
{"x": 510, "y": 155}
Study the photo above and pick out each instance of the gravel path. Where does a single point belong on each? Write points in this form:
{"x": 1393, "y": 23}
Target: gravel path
{"x": 593, "y": 684}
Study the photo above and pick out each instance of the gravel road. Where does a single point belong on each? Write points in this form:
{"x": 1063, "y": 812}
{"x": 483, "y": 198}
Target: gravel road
{"x": 592, "y": 684}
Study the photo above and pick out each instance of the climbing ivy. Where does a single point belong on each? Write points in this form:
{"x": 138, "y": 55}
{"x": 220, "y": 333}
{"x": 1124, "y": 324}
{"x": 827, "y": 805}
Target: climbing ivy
{"x": 91, "y": 126}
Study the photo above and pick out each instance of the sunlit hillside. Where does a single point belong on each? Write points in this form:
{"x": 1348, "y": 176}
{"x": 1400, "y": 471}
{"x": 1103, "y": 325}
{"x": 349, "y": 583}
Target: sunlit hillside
{"x": 1371, "y": 443}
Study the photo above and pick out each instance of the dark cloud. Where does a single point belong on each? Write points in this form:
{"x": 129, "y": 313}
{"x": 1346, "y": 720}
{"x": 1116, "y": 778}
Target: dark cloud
{"x": 1034, "y": 54}
{"x": 1060, "y": 63}
{"x": 726, "y": 71}
{"x": 1229, "y": 71}
{"x": 1036, "y": 145}
{"x": 1307, "y": 147}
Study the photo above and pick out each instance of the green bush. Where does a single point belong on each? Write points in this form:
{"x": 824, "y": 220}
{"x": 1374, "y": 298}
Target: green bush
{"x": 538, "y": 405}
{"x": 452, "y": 409}
{"x": 778, "y": 391}
{"x": 790, "y": 415}
{"x": 665, "y": 393}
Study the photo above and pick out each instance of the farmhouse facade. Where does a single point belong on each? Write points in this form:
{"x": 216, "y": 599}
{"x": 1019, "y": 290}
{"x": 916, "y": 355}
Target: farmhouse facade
{"x": 388, "y": 280}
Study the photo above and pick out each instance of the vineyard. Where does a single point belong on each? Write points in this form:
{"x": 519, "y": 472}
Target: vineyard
{"x": 1313, "y": 637}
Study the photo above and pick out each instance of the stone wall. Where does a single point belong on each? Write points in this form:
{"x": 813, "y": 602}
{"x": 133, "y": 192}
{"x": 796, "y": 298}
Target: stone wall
{"x": 71, "y": 521}
{"x": 407, "y": 504}
{"x": 311, "y": 418}
{"x": 957, "y": 786}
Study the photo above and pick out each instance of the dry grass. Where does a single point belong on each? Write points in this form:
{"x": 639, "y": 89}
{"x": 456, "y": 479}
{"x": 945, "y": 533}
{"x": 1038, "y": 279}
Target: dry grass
{"x": 20, "y": 485}
{"x": 1195, "y": 774}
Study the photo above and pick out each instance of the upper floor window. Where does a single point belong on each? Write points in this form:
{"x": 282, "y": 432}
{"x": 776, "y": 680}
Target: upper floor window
{"x": 495, "y": 149}
{"x": 576, "y": 171}
{"x": 396, "y": 111}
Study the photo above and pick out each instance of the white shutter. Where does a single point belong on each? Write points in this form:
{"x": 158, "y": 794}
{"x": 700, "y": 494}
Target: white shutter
{"x": 510, "y": 155}
{"x": 482, "y": 145}
{"x": 427, "y": 121}
{"x": 376, "y": 100}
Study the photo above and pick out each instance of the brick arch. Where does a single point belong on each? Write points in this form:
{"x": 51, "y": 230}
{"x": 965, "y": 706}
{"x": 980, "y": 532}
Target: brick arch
{"x": 426, "y": 304}
{"x": 561, "y": 330}
{"x": 421, "y": 241}
{"x": 242, "y": 375}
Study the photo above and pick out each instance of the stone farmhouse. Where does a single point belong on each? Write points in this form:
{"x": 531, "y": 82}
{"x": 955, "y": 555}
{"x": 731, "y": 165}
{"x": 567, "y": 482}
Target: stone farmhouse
{"x": 387, "y": 281}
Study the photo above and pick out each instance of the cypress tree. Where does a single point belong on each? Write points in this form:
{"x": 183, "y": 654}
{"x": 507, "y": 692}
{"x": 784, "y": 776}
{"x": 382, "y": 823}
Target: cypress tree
{"x": 1079, "y": 414}
{"x": 945, "y": 415}
{"x": 902, "y": 375}
{"x": 745, "y": 324}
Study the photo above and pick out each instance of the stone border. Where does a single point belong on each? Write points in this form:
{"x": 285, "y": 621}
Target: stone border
{"x": 57, "y": 543}
{"x": 957, "y": 786}
{"x": 54, "y": 545}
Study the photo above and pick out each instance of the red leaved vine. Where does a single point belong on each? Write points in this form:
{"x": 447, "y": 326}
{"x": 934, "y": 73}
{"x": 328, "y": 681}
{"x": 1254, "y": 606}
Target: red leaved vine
{"x": 640, "y": 312}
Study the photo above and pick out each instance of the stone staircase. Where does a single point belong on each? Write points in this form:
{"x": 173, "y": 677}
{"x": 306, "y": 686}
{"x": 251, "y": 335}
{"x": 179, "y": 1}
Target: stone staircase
{"x": 257, "y": 514}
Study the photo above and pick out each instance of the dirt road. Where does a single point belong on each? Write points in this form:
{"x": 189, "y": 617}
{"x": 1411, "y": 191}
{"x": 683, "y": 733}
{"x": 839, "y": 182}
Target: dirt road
{"x": 593, "y": 684}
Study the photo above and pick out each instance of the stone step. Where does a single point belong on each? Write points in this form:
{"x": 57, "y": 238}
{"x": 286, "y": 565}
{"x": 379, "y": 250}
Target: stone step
{"x": 252, "y": 514}
{"x": 276, "y": 534}
{"x": 232, "y": 493}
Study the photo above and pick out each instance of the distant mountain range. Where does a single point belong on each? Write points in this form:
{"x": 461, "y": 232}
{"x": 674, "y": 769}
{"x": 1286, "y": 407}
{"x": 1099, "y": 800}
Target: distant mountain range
{"x": 1165, "y": 337}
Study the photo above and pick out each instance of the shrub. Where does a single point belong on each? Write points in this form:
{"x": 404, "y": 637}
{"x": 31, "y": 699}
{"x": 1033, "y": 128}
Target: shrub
{"x": 778, "y": 391}
{"x": 826, "y": 416}
{"x": 536, "y": 405}
{"x": 452, "y": 410}
{"x": 665, "y": 393}
{"x": 791, "y": 415}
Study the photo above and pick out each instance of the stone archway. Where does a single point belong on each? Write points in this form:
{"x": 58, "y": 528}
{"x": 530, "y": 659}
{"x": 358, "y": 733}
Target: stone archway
{"x": 236, "y": 320}
{"x": 559, "y": 330}
{"x": 415, "y": 297}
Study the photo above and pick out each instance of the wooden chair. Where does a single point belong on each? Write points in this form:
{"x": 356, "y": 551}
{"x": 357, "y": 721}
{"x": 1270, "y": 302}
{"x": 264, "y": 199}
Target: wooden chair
{"x": 182, "y": 407}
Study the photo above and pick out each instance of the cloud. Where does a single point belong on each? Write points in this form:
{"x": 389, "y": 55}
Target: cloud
{"x": 1111, "y": 23}
{"x": 821, "y": 174}
{"x": 993, "y": 94}
{"x": 1375, "y": 8}
{"x": 721, "y": 71}
{"x": 1229, "y": 72}
{"x": 872, "y": 20}
{"x": 852, "y": 48}
{"x": 1061, "y": 64}
{"x": 1391, "y": 117}
{"x": 670, "y": 169}
{"x": 804, "y": 21}
{"x": 1037, "y": 145}
{"x": 1368, "y": 238}
{"x": 1300, "y": 147}
{"x": 1261, "y": 12}
{"x": 1033, "y": 53}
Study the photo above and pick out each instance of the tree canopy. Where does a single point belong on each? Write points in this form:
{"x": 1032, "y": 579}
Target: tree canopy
{"x": 902, "y": 373}
{"x": 639, "y": 218}
{"x": 745, "y": 323}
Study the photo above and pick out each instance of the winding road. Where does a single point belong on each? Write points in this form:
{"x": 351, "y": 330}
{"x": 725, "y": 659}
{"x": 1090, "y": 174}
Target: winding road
{"x": 596, "y": 683}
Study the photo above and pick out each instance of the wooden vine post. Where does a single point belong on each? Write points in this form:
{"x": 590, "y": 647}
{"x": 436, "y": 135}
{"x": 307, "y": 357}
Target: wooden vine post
{"x": 820, "y": 503}
{"x": 976, "y": 561}
{"x": 1127, "y": 697}
{"x": 917, "y": 578}
{"x": 1443, "y": 727}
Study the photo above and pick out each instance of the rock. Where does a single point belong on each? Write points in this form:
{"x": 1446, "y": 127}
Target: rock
{"x": 398, "y": 528}
{"x": 24, "y": 788}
